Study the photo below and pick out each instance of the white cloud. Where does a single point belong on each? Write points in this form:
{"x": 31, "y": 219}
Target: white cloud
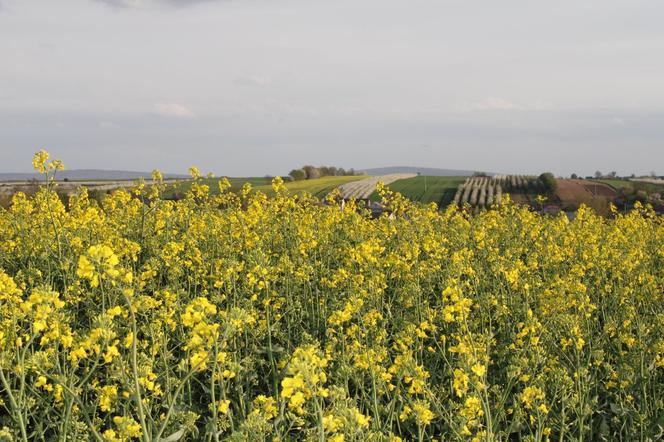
{"x": 252, "y": 80}
{"x": 173, "y": 110}
{"x": 618, "y": 121}
{"x": 493, "y": 103}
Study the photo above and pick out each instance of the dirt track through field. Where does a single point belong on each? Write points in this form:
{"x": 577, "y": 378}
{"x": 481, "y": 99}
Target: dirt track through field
{"x": 364, "y": 188}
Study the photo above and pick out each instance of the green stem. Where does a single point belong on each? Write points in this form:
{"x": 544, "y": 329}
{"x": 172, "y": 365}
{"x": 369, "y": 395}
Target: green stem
{"x": 14, "y": 405}
{"x": 134, "y": 367}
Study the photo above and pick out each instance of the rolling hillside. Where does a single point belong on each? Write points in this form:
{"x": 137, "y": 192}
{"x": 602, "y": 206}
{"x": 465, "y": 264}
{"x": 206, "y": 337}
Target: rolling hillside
{"x": 318, "y": 187}
{"x": 87, "y": 175}
{"x": 183, "y": 187}
{"x": 647, "y": 186}
{"x": 364, "y": 188}
{"x": 427, "y": 189}
{"x": 430, "y": 171}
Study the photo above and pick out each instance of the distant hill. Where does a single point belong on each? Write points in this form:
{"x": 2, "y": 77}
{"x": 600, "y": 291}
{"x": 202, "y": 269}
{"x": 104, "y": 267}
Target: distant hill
{"x": 421, "y": 170}
{"x": 86, "y": 174}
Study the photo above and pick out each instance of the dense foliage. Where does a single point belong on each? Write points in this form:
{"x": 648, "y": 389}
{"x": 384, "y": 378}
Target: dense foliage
{"x": 238, "y": 317}
{"x": 548, "y": 183}
{"x": 311, "y": 172}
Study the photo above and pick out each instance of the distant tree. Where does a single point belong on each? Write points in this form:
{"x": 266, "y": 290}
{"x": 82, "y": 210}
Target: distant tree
{"x": 298, "y": 174}
{"x": 548, "y": 182}
{"x": 598, "y": 174}
{"x": 613, "y": 174}
{"x": 653, "y": 174}
{"x": 633, "y": 175}
{"x": 311, "y": 171}
{"x": 574, "y": 176}
{"x": 479, "y": 173}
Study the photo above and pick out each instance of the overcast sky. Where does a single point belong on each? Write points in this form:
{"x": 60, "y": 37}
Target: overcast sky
{"x": 254, "y": 87}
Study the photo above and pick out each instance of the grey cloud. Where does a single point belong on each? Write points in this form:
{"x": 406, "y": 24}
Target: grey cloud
{"x": 252, "y": 80}
{"x": 148, "y": 3}
{"x": 173, "y": 110}
{"x": 246, "y": 145}
{"x": 495, "y": 104}
{"x": 255, "y": 86}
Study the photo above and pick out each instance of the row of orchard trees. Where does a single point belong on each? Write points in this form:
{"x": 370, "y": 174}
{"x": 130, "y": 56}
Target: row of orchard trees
{"x": 483, "y": 191}
{"x": 479, "y": 192}
{"x": 544, "y": 184}
{"x": 516, "y": 182}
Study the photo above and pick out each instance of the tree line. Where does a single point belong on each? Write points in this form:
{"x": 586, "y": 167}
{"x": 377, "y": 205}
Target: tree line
{"x": 310, "y": 172}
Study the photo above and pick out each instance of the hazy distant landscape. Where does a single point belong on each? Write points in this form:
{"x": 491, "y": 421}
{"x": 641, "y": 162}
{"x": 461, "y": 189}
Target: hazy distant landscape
{"x": 86, "y": 175}
{"x": 477, "y": 190}
{"x": 429, "y": 171}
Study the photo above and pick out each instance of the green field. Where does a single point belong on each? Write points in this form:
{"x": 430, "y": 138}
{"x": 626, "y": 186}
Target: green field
{"x": 318, "y": 187}
{"x": 616, "y": 184}
{"x": 183, "y": 187}
{"x": 636, "y": 185}
{"x": 427, "y": 189}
